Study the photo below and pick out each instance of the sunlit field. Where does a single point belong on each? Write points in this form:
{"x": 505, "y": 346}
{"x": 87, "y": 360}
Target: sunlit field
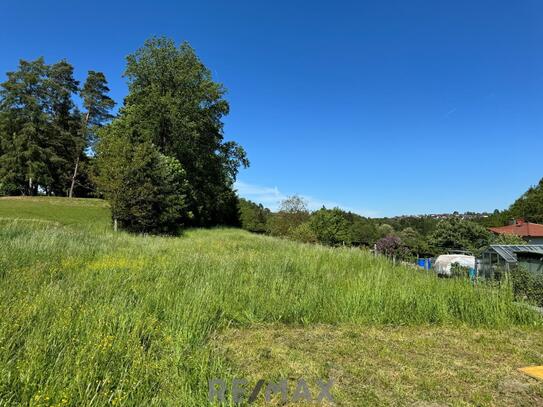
{"x": 93, "y": 317}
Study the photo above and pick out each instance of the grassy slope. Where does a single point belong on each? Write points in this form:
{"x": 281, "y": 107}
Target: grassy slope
{"x": 92, "y": 213}
{"x": 97, "y": 317}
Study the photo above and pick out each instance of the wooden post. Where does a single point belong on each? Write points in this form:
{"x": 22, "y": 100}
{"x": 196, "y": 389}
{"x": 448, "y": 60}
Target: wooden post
{"x": 114, "y": 225}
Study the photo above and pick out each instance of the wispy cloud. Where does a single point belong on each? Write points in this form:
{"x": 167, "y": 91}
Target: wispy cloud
{"x": 450, "y": 112}
{"x": 271, "y": 197}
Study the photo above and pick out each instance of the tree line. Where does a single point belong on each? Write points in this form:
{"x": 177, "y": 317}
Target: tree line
{"x": 44, "y": 136}
{"x": 406, "y": 237}
{"x": 162, "y": 162}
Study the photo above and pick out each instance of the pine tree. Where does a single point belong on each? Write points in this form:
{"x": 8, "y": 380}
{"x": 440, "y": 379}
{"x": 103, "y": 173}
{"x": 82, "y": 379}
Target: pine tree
{"x": 24, "y": 129}
{"x": 43, "y": 135}
{"x": 65, "y": 134}
{"x": 98, "y": 106}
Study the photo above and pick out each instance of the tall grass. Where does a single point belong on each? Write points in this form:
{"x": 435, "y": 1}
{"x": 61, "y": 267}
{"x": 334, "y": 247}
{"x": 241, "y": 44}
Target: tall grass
{"x": 100, "y": 318}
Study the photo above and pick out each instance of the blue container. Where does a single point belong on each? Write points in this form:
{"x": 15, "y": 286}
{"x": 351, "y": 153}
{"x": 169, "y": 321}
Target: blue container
{"x": 426, "y": 264}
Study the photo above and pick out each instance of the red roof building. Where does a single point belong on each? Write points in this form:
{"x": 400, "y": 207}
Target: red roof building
{"x": 531, "y": 232}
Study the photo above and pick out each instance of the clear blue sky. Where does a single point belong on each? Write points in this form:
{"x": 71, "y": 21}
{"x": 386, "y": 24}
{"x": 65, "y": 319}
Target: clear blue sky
{"x": 382, "y": 107}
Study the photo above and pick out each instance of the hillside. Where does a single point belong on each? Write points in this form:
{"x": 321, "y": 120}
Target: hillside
{"x": 77, "y": 212}
{"x": 98, "y": 318}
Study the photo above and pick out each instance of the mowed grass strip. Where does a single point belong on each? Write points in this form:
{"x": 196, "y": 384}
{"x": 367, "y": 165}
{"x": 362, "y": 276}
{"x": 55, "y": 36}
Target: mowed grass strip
{"x": 391, "y": 366}
{"x": 92, "y": 317}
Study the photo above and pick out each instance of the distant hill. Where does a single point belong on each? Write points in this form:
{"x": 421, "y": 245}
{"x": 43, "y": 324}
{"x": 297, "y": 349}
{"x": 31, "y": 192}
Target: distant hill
{"x": 530, "y": 205}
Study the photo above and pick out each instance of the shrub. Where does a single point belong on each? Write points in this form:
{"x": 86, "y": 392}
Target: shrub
{"x": 527, "y": 286}
{"x": 508, "y": 239}
{"x": 391, "y": 246}
{"x": 330, "y": 227}
{"x": 146, "y": 189}
{"x": 458, "y": 271}
{"x": 253, "y": 217}
{"x": 7, "y": 189}
{"x": 304, "y": 233}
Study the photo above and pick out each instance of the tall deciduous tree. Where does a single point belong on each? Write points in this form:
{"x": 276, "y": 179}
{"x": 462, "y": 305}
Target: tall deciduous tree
{"x": 174, "y": 104}
{"x": 458, "y": 234}
{"x": 331, "y": 226}
{"x": 292, "y": 213}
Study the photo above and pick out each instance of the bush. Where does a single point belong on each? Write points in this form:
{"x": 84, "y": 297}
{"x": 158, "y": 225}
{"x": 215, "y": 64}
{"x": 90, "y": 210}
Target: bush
{"x": 7, "y": 189}
{"x": 363, "y": 232}
{"x": 508, "y": 239}
{"x": 458, "y": 271}
{"x": 146, "y": 189}
{"x": 527, "y": 286}
{"x": 391, "y": 246}
{"x": 304, "y": 233}
{"x": 253, "y": 217}
{"x": 330, "y": 227}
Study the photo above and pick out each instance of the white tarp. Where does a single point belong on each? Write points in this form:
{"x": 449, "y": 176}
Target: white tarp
{"x": 444, "y": 262}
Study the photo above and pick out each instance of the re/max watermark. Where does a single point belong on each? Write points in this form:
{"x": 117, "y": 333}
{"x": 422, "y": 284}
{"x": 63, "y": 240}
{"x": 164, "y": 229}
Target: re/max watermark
{"x": 293, "y": 391}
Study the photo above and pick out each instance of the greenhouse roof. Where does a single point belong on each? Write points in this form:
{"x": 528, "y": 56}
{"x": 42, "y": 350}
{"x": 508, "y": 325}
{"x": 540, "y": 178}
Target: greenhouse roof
{"x": 509, "y": 252}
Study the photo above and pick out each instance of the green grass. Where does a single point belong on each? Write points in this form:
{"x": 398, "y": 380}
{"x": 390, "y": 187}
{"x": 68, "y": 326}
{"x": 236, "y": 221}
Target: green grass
{"x": 92, "y": 317}
{"x": 87, "y": 213}
{"x": 393, "y": 366}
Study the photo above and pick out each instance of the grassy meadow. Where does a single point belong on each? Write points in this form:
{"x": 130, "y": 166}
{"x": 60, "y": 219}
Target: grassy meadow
{"x": 92, "y": 317}
{"x": 81, "y": 213}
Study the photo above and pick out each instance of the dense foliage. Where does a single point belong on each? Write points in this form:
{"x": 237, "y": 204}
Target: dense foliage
{"x": 527, "y": 285}
{"x": 530, "y": 205}
{"x": 291, "y": 215}
{"x": 146, "y": 190}
{"x": 43, "y": 134}
{"x": 175, "y": 107}
{"x": 456, "y": 234}
{"x": 330, "y": 226}
{"x": 253, "y": 217}
{"x": 390, "y": 246}
{"x": 405, "y": 237}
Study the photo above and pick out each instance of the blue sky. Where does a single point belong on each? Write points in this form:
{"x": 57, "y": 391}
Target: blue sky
{"x": 382, "y": 107}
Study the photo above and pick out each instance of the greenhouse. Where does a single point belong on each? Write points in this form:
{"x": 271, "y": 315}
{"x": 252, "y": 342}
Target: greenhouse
{"x": 497, "y": 258}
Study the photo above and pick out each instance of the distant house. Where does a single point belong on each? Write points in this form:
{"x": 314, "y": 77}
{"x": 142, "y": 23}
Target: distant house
{"x": 507, "y": 257}
{"x": 532, "y": 233}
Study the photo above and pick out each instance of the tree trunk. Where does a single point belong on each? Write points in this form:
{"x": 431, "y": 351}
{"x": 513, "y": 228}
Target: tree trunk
{"x": 85, "y": 123}
{"x": 73, "y": 177}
